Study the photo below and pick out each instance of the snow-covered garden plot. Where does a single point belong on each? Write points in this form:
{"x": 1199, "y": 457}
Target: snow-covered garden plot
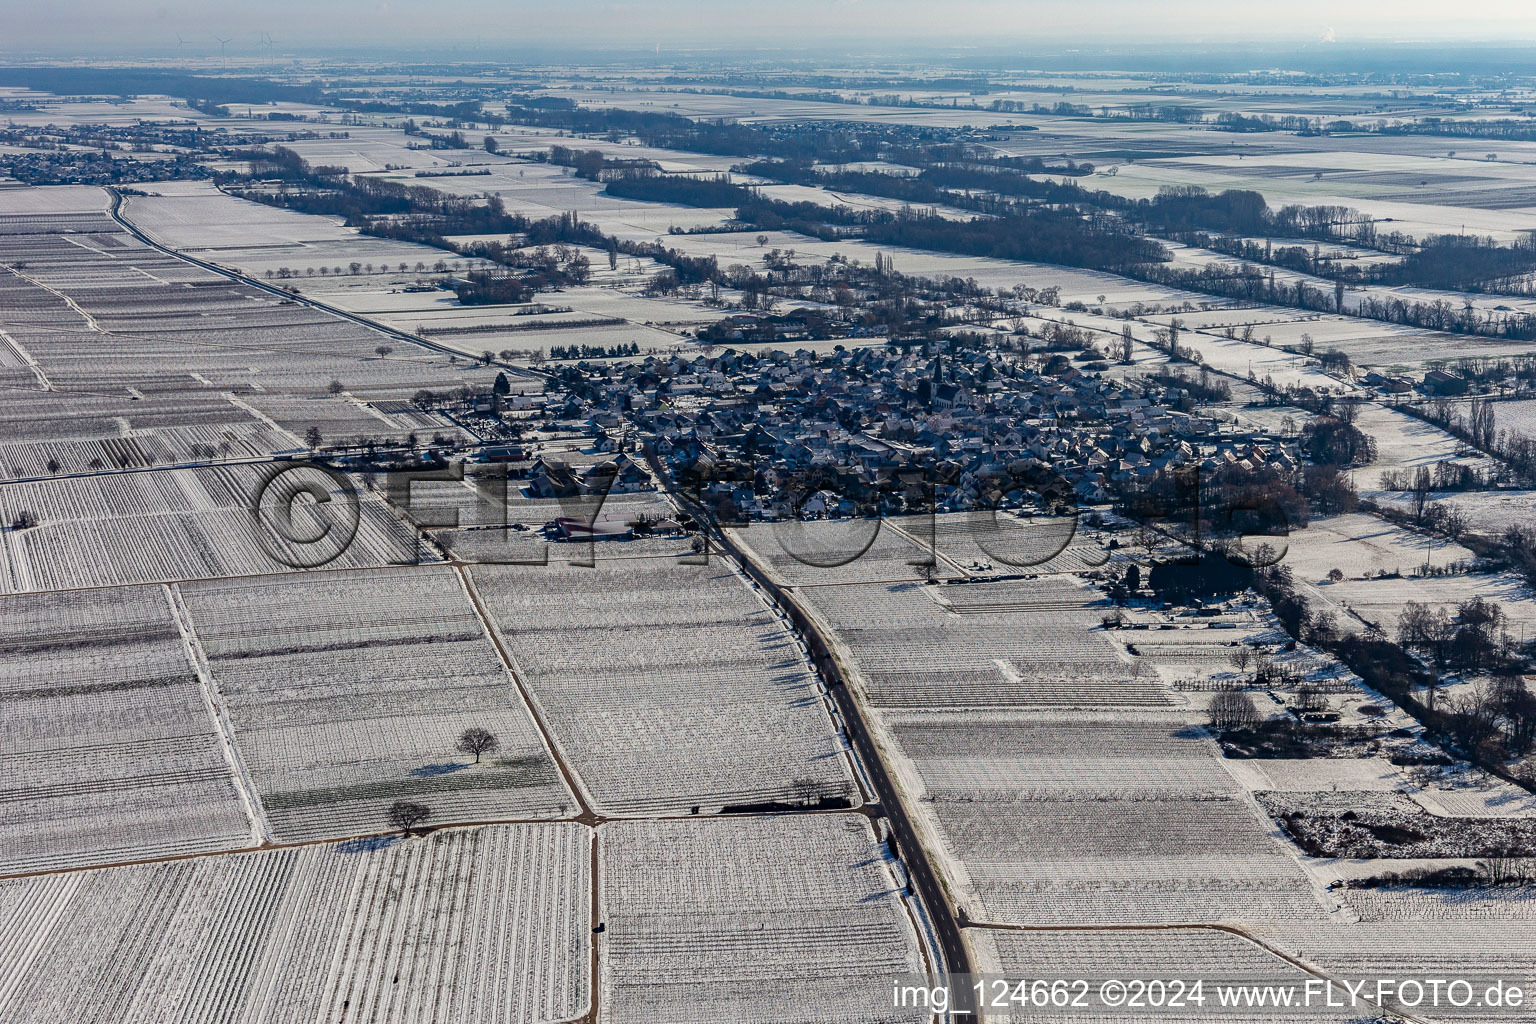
{"x": 188, "y": 524}
{"x": 108, "y": 749}
{"x": 1403, "y": 443}
{"x": 349, "y": 690}
{"x": 667, "y": 686}
{"x": 1362, "y": 545}
{"x": 1213, "y": 957}
{"x": 1055, "y": 819}
{"x": 1480, "y": 952}
{"x": 751, "y": 920}
{"x": 822, "y": 551}
{"x": 483, "y": 926}
{"x": 1012, "y": 643}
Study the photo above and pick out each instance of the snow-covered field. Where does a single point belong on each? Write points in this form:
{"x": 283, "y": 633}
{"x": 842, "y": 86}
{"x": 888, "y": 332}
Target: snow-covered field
{"x": 198, "y": 219}
{"x": 1381, "y": 601}
{"x": 1480, "y": 952}
{"x": 184, "y": 524}
{"x": 1486, "y": 512}
{"x": 487, "y": 925}
{"x": 75, "y": 278}
{"x": 347, "y": 691}
{"x": 668, "y": 686}
{"x": 1214, "y": 957}
{"x": 110, "y": 752}
{"x": 1404, "y": 443}
{"x": 1361, "y": 545}
{"x": 1015, "y": 643}
{"x": 1094, "y": 818}
{"x": 767, "y": 919}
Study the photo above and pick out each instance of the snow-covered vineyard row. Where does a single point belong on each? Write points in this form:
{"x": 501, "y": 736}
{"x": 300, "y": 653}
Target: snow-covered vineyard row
{"x": 763, "y": 919}
{"x": 835, "y": 551}
{"x": 1212, "y": 957}
{"x": 1012, "y": 544}
{"x": 670, "y": 686}
{"x": 340, "y": 418}
{"x": 1015, "y": 643}
{"x": 109, "y": 750}
{"x": 1030, "y": 754}
{"x": 1480, "y": 952}
{"x": 348, "y": 690}
{"x": 1073, "y": 814}
{"x": 142, "y": 448}
{"x": 82, "y": 280}
{"x": 488, "y": 925}
{"x": 185, "y": 524}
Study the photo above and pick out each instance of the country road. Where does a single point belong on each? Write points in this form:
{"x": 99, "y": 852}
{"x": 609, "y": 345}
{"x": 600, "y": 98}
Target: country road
{"x": 957, "y": 958}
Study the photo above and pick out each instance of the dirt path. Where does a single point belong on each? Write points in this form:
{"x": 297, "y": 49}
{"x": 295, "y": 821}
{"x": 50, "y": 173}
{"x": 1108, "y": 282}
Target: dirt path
{"x": 245, "y": 786}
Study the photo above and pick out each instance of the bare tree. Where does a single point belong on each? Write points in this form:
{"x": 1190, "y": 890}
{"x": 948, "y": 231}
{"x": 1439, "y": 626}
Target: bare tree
{"x": 1309, "y": 698}
{"x": 406, "y": 815}
{"x": 1505, "y": 867}
{"x": 1422, "y": 485}
{"x": 477, "y": 741}
{"x": 383, "y": 350}
{"x": 312, "y": 438}
{"x": 1233, "y": 709}
{"x": 807, "y": 791}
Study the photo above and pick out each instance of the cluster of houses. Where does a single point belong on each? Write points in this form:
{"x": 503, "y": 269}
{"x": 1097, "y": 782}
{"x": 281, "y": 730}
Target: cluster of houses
{"x": 859, "y": 418}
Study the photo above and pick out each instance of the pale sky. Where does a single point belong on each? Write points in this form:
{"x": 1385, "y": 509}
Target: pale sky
{"x": 128, "y": 26}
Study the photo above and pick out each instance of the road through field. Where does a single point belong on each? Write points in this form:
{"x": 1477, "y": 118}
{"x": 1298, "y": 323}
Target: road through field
{"x": 925, "y": 879}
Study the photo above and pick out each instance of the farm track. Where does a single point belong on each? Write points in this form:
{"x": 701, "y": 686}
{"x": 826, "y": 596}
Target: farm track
{"x": 572, "y": 780}
{"x": 250, "y": 799}
{"x": 294, "y": 844}
{"x": 1228, "y": 929}
{"x": 932, "y": 550}
{"x": 29, "y": 359}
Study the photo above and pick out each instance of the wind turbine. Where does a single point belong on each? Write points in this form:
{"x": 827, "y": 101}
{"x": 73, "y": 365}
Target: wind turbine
{"x": 180, "y": 42}
{"x": 222, "y": 59}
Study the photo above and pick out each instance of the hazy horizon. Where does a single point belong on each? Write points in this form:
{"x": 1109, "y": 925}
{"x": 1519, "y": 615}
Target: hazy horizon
{"x": 143, "y": 27}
